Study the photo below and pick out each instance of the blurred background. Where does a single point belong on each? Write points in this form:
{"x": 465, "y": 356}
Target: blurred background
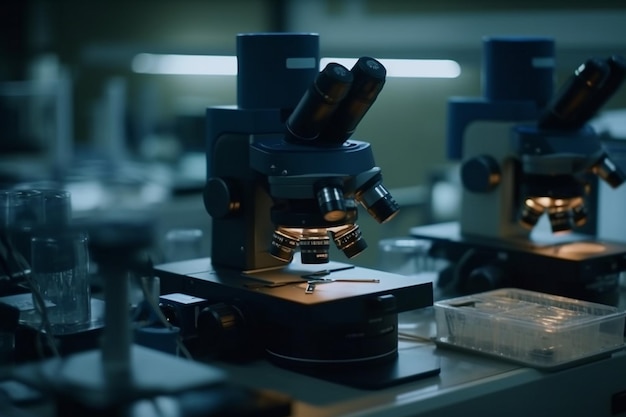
{"x": 72, "y": 109}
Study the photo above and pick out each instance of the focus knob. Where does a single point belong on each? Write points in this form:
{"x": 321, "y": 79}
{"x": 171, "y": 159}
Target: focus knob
{"x": 480, "y": 174}
{"x": 220, "y": 198}
{"x": 484, "y": 278}
{"x": 222, "y": 331}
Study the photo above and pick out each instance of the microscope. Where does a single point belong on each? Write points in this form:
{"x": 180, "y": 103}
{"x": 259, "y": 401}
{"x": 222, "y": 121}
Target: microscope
{"x": 284, "y": 179}
{"x": 529, "y": 170}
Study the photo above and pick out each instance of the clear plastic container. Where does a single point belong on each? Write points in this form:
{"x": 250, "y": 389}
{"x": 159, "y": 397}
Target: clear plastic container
{"x": 532, "y": 328}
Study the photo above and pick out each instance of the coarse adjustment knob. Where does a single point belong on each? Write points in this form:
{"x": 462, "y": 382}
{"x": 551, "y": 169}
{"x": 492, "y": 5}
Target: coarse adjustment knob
{"x": 220, "y": 198}
{"x": 480, "y": 174}
{"x": 222, "y": 331}
{"x": 485, "y": 278}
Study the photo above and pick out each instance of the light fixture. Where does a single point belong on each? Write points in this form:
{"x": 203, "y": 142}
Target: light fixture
{"x": 179, "y": 64}
{"x": 409, "y": 68}
{"x": 175, "y": 64}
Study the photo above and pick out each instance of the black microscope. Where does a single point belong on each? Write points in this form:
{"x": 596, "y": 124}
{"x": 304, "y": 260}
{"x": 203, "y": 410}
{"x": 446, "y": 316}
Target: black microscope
{"x": 284, "y": 179}
{"x": 528, "y": 156}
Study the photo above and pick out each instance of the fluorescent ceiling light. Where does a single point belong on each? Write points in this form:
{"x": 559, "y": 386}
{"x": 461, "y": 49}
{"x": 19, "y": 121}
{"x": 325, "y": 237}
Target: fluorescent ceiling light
{"x": 184, "y": 64}
{"x": 408, "y": 68}
{"x": 227, "y": 65}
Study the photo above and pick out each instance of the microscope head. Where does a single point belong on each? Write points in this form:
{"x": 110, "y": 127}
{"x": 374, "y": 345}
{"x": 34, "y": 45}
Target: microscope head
{"x": 316, "y": 176}
{"x": 562, "y": 149}
{"x": 283, "y": 174}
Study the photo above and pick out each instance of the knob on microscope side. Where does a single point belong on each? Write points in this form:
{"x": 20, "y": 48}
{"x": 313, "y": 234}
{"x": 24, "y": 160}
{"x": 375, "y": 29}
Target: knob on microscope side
{"x": 480, "y": 174}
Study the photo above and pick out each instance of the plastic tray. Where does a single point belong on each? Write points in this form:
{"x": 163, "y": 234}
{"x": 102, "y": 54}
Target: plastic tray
{"x": 532, "y": 328}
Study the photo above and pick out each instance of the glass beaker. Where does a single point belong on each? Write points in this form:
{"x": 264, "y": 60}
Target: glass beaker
{"x": 60, "y": 274}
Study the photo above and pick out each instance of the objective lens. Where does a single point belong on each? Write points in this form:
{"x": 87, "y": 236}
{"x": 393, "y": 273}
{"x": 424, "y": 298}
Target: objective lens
{"x": 579, "y": 214}
{"x": 531, "y": 212}
{"x": 283, "y": 244}
{"x": 318, "y": 104}
{"x": 314, "y": 247}
{"x": 561, "y": 219}
{"x": 349, "y": 240}
{"x": 377, "y": 200}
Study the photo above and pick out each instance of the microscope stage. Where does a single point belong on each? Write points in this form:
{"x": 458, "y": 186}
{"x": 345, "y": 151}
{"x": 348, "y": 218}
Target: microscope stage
{"x": 333, "y": 282}
{"x": 572, "y": 265}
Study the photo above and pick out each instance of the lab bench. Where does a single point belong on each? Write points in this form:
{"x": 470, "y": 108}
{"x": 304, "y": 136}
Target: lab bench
{"x": 467, "y": 384}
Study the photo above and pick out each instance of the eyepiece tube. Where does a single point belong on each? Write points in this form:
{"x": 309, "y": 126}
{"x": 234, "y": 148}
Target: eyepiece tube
{"x": 369, "y": 79}
{"x": 566, "y": 110}
{"x": 613, "y": 81}
{"x": 319, "y": 102}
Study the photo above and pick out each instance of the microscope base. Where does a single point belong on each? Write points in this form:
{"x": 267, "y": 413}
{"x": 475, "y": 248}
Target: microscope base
{"x": 341, "y": 325}
{"x": 576, "y": 266}
{"x": 410, "y": 364}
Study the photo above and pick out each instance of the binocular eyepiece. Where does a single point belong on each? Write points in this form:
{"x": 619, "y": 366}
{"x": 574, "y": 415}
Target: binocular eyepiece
{"x": 332, "y": 107}
{"x": 593, "y": 83}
